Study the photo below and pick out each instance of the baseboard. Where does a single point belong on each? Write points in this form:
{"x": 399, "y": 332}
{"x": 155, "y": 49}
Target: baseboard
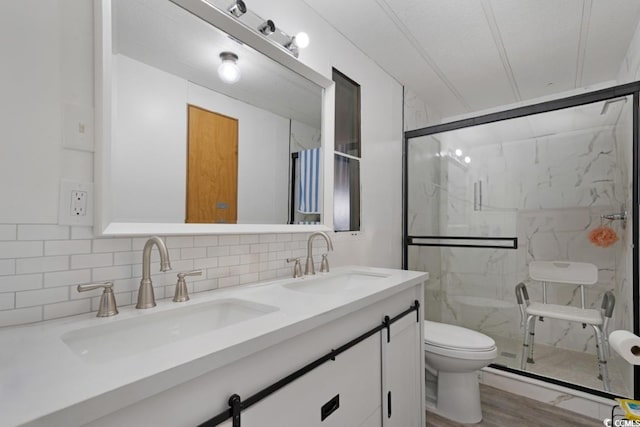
{"x": 572, "y": 400}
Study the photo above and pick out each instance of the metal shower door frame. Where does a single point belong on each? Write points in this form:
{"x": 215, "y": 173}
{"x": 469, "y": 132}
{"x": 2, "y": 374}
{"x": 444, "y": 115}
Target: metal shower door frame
{"x": 627, "y": 89}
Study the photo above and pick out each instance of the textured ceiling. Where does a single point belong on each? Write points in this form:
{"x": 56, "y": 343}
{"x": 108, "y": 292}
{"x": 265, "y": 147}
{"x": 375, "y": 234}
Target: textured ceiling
{"x": 462, "y": 56}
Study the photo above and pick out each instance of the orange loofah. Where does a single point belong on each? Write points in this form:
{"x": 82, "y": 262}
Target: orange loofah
{"x": 603, "y": 236}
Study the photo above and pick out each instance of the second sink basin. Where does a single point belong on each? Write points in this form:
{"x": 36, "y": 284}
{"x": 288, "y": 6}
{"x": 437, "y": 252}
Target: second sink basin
{"x": 333, "y": 284}
{"x": 127, "y": 337}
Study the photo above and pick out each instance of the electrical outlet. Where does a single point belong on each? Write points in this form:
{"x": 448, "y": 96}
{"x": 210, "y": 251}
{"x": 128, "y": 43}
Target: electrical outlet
{"x": 79, "y": 203}
{"x": 75, "y": 203}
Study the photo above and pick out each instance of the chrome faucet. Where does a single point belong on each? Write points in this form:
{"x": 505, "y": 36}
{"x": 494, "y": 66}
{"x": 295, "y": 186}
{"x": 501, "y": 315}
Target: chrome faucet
{"x": 324, "y": 268}
{"x": 146, "y": 298}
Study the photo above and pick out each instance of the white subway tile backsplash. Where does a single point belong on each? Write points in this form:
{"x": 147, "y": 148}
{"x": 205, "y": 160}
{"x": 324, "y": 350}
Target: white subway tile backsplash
{"x": 20, "y": 283}
{"x": 237, "y": 270}
{"x": 267, "y": 275}
{"x": 111, "y": 245}
{"x": 66, "y": 278}
{"x": 81, "y": 232}
{"x": 7, "y": 266}
{"x": 67, "y": 308}
{"x": 228, "y": 240}
{"x": 20, "y": 316}
{"x": 191, "y": 253}
{"x": 205, "y": 262}
{"x": 268, "y": 238}
{"x": 250, "y": 259}
{"x": 259, "y": 248}
{"x": 102, "y": 274}
{"x": 276, "y": 265}
{"x": 224, "y": 282}
{"x": 8, "y": 232}
{"x": 179, "y": 266}
{"x": 42, "y": 264}
{"x": 249, "y": 238}
{"x": 91, "y": 261}
{"x": 248, "y": 278}
{"x": 20, "y": 249}
{"x": 7, "y": 301}
{"x": 43, "y": 232}
{"x": 276, "y": 247}
{"x": 283, "y": 237}
{"x": 122, "y": 258}
{"x": 179, "y": 242}
{"x": 228, "y": 260}
{"x": 126, "y": 285}
{"x": 203, "y": 241}
{"x": 67, "y": 247}
{"x": 205, "y": 285}
{"x": 216, "y": 273}
{"x": 283, "y": 254}
{"x": 239, "y": 250}
{"x": 218, "y": 251}
{"x": 137, "y": 243}
{"x": 41, "y": 297}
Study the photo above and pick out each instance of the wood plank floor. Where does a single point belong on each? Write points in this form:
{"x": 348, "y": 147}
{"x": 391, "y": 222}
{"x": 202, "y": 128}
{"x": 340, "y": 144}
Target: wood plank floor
{"x": 502, "y": 409}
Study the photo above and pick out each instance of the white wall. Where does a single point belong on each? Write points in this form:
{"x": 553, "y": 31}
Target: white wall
{"x": 47, "y": 62}
{"x": 150, "y": 150}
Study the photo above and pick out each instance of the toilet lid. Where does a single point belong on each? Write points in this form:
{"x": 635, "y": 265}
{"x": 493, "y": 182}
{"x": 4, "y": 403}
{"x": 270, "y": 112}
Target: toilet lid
{"x": 455, "y": 337}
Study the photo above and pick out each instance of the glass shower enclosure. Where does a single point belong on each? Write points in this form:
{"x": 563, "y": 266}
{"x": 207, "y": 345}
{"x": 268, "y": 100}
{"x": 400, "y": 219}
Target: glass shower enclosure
{"x": 485, "y": 197}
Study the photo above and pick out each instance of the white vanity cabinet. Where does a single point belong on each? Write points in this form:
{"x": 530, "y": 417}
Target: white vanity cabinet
{"x": 305, "y": 352}
{"x": 362, "y": 377}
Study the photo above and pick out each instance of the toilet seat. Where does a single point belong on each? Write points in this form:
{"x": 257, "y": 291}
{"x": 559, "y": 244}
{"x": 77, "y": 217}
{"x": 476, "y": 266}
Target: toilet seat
{"x": 451, "y": 340}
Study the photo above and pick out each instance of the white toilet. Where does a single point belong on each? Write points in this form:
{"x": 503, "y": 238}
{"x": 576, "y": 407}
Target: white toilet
{"x": 453, "y": 355}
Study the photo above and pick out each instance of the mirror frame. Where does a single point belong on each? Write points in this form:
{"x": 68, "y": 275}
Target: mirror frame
{"x": 103, "y": 223}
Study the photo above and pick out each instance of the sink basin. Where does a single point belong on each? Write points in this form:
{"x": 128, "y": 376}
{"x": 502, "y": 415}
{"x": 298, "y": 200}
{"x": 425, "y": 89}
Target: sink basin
{"x": 131, "y": 336}
{"x": 334, "y": 284}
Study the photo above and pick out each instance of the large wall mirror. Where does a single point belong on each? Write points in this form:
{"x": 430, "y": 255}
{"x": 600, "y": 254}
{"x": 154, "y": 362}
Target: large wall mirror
{"x": 180, "y": 151}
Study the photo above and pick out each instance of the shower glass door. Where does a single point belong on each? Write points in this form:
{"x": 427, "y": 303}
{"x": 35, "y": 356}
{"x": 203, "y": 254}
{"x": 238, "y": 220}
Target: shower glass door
{"x": 484, "y": 201}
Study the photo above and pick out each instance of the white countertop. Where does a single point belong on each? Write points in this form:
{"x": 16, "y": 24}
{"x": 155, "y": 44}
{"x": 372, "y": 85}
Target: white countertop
{"x": 40, "y": 375}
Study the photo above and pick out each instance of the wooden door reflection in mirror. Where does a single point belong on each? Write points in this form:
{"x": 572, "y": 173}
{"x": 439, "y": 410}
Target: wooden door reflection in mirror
{"x": 212, "y": 167}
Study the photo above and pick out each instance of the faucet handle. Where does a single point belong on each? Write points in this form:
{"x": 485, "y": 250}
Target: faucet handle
{"x": 324, "y": 264}
{"x": 183, "y": 274}
{"x": 297, "y": 268}
{"x": 182, "y": 293}
{"x": 107, "y": 306}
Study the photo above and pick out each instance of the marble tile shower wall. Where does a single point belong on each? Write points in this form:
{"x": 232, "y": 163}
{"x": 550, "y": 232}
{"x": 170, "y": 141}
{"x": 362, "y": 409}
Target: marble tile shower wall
{"x": 40, "y": 266}
{"x": 549, "y": 193}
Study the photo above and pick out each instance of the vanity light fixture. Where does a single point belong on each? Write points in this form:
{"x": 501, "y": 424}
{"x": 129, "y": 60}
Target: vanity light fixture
{"x": 267, "y": 27}
{"x": 467, "y": 159}
{"x": 237, "y": 8}
{"x": 229, "y": 71}
{"x": 458, "y": 152}
{"x": 299, "y": 41}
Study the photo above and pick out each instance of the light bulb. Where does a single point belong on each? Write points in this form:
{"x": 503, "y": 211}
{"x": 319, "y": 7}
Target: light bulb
{"x": 302, "y": 40}
{"x": 458, "y": 152}
{"x": 229, "y": 71}
{"x": 467, "y": 159}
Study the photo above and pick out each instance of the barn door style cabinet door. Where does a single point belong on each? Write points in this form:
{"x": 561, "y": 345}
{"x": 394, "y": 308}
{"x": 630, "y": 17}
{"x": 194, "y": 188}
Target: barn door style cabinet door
{"x": 402, "y": 357}
{"x": 344, "y": 392}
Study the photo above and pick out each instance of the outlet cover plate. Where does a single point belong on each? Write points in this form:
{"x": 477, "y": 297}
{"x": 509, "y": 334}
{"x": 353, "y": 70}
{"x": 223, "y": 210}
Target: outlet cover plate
{"x": 67, "y": 205}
